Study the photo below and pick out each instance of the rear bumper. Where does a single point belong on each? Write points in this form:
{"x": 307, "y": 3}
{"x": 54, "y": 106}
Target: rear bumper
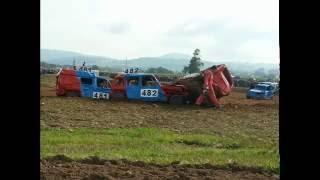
{"x": 60, "y": 92}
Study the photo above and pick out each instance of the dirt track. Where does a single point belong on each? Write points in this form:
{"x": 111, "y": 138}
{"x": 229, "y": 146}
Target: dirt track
{"x": 256, "y": 117}
{"x": 63, "y": 168}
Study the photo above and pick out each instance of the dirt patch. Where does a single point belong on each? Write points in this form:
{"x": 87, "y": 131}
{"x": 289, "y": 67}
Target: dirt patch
{"x": 57, "y": 168}
{"x": 249, "y": 117}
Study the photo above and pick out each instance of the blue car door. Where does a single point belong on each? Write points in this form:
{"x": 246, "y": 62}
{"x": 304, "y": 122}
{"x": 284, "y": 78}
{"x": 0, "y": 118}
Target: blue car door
{"x": 86, "y": 86}
{"x": 133, "y": 87}
{"x": 151, "y": 89}
{"x": 101, "y": 89}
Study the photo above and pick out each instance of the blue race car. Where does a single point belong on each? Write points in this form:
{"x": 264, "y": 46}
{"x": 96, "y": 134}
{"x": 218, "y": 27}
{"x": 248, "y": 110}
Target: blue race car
{"x": 72, "y": 82}
{"x": 262, "y": 91}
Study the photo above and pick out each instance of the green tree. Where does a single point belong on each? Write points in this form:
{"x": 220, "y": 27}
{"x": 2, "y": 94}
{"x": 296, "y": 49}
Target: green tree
{"x": 195, "y": 63}
{"x": 185, "y": 70}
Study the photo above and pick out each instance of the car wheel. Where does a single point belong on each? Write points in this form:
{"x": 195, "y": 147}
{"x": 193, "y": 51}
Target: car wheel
{"x": 72, "y": 94}
{"x": 176, "y": 100}
{"x": 117, "y": 96}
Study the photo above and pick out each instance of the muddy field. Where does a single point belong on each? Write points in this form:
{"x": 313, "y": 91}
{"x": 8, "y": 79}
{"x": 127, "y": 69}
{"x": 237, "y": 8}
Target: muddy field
{"x": 239, "y": 117}
{"x": 61, "y": 167}
{"x": 249, "y": 116}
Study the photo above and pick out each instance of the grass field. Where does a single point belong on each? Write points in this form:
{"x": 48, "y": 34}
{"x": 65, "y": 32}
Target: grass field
{"x": 244, "y": 133}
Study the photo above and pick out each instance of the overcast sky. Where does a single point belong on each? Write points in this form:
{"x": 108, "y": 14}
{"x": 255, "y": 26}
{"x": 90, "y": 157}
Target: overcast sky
{"x": 222, "y": 29}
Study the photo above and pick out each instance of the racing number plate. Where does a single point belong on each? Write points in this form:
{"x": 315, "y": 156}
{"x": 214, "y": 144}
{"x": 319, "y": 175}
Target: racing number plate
{"x": 100, "y": 95}
{"x": 149, "y": 93}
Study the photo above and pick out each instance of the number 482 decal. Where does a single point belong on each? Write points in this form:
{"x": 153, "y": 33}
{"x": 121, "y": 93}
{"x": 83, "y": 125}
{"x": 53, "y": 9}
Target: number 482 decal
{"x": 149, "y": 93}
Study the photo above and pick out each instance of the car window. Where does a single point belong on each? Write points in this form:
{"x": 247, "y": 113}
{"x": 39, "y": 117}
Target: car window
{"x": 149, "y": 81}
{"x": 87, "y": 81}
{"x": 103, "y": 83}
{"x": 133, "y": 81}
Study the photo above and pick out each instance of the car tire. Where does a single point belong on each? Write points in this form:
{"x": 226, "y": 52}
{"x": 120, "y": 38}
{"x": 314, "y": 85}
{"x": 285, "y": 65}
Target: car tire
{"x": 118, "y": 96}
{"x": 72, "y": 94}
{"x": 176, "y": 100}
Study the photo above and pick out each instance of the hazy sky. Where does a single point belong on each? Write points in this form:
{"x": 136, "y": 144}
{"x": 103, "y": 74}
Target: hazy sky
{"x": 221, "y": 29}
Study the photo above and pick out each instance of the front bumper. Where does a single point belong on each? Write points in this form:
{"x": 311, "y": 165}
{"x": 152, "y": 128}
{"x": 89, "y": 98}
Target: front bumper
{"x": 258, "y": 96}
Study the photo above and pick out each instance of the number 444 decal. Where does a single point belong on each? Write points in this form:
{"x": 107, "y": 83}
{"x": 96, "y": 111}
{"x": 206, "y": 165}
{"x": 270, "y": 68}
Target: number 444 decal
{"x": 149, "y": 93}
{"x": 100, "y": 95}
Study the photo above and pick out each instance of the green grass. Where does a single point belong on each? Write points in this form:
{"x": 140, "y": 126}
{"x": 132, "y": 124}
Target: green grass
{"x": 160, "y": 146}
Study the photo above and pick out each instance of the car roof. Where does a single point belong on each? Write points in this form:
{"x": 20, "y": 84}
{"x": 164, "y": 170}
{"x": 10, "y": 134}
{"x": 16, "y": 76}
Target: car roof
{"x": 85, "y": 74}
{"x": 137, "y": 74}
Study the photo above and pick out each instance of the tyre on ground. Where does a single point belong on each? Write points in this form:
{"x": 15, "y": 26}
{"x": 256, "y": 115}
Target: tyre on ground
{"x": 72, "y": 94}
{"x": 176, "y": 100}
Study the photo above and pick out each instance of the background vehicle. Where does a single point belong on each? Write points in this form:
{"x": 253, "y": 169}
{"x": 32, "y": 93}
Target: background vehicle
{"x": 275, "y": 86}
{"x": 262, "y": 91}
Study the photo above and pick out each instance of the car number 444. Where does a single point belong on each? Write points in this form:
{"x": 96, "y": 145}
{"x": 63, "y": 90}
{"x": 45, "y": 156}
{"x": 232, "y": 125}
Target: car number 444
{"x": 100, "y": 95}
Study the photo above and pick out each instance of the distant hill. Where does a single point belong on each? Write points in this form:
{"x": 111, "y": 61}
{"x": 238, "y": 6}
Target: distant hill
{"x": 67, "y": 57}
{"x": 175, "y": 56}
{"x": 168, "y": 63}
{"x": 171, "y": 61}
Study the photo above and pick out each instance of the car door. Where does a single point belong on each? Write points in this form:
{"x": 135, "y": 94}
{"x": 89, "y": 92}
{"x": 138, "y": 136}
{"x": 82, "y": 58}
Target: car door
{"x": 101, "y": 89}
{"x": 86, "y": 86}
{"x": 151, "y": 89}
{"x": 133, "y": 87}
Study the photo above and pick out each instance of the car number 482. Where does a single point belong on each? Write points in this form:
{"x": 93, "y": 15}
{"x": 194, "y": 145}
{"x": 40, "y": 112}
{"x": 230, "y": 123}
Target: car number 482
{"x": 149, "y": 92}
